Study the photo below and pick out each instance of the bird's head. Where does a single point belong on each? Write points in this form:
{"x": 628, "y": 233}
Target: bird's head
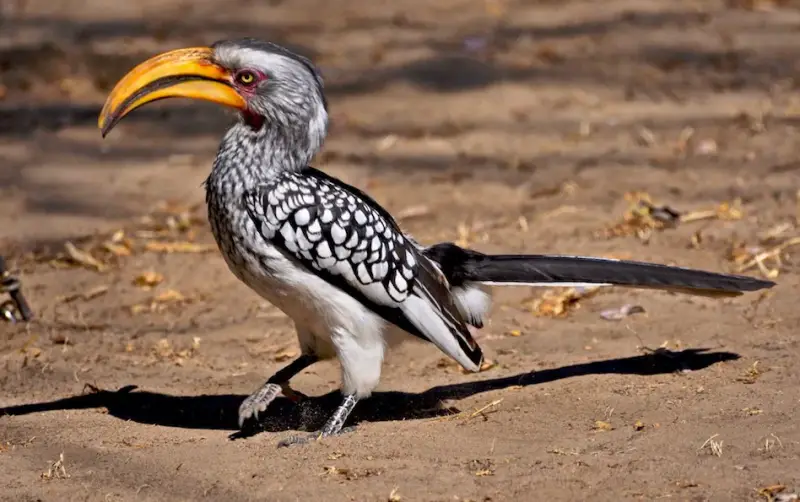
{"x": 265, "y": 82}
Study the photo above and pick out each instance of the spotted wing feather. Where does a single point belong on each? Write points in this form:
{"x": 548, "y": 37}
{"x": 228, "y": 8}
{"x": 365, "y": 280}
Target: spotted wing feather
{"x": 346, "y": 238}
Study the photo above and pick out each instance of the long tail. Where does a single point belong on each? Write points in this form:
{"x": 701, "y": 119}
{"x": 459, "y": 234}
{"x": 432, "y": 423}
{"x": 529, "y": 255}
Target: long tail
{"x": 462, "y": 266}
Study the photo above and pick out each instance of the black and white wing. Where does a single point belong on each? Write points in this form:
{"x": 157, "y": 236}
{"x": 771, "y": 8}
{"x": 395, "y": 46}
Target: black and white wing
{"x": 342, "y": 235}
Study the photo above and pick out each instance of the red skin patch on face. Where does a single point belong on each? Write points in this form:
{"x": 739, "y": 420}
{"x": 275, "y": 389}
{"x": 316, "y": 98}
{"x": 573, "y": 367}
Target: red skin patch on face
{"x": 247, "y": 91}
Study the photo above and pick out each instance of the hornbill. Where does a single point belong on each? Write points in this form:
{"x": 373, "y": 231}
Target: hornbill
{"x": 324, "y": 252}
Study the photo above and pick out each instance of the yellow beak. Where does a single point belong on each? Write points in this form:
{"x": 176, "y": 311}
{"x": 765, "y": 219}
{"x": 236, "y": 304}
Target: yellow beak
{"x": 182, "y": 73}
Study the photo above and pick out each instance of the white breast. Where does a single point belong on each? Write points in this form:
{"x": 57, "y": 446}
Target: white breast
{"x": 329, "y": 322}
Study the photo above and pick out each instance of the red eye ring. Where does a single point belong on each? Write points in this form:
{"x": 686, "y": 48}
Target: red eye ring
{"x": 246, "y": 78}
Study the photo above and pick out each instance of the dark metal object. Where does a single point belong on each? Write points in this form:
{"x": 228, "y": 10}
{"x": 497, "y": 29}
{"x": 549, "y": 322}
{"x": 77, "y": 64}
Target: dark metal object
{"x": 16, "y": 309}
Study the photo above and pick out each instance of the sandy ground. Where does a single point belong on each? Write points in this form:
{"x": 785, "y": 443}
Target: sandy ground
{"x": 509, "y": 125}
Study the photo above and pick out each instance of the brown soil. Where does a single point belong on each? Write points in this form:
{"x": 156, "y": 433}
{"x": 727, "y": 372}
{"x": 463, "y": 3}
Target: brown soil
{"x": 512, "y": 125}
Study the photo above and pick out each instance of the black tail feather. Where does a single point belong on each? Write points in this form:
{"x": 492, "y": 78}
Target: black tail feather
{"x": 463, "y": 265}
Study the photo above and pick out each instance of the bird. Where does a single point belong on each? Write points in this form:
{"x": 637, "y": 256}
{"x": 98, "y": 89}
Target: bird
{"x": 324, "y": 252}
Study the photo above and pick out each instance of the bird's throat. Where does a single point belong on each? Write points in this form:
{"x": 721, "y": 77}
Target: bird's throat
{"x": 265, "y": 144}
{"x": 253, "y": 120}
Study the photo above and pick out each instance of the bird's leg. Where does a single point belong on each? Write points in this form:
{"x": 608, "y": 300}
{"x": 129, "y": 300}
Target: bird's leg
{"x": 336, "y": 422}
{"x": 276, "y": 385}
{"x": 332, "y": 427}
{"x": 283, "y": 375}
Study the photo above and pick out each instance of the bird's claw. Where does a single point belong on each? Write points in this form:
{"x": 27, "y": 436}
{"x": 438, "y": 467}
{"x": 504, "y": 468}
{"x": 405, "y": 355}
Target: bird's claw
{"x": 298, "y": 440}
{"x": 308, "y": 438}
{"x": 258, "y": 401}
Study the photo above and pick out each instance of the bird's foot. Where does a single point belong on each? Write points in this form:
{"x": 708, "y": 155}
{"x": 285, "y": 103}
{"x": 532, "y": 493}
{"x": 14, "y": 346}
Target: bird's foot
{"x": 334, "y": 426}
{"x": 258, "y": 401}
{"x": 308, "y": 438}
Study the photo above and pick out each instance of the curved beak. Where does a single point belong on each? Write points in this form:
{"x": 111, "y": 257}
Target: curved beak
{"x": 182, "y": 73}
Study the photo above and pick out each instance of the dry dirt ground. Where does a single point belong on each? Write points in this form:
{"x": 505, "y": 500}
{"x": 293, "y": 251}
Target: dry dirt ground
{"x": 510, "y": 125}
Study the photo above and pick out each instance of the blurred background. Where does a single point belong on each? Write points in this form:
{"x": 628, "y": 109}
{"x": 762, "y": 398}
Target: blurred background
{"x": 495, "y": 87}
{"x": 658, "y": 130}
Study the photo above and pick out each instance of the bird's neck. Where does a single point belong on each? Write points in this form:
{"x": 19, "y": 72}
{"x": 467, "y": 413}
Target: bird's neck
{"x": 253, "y": 152}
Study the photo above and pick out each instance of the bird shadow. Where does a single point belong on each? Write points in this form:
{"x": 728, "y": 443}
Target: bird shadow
{"x": 220, "y": 411}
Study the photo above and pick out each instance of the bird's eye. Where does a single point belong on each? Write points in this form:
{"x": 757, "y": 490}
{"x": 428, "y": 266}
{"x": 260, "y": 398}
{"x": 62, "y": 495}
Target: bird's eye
{"x": 246, "y": 77}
